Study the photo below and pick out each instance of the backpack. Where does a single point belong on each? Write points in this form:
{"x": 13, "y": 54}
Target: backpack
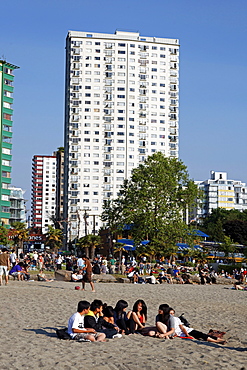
{"x": 184, "y": 320}
{"x": 63, "y": 334}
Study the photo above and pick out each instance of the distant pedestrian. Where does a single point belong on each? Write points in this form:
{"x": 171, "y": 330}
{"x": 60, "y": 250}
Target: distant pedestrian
{"x": 4, "y": 265}
{"x": 87, "y": 277}
{"x": 12, "y": 258}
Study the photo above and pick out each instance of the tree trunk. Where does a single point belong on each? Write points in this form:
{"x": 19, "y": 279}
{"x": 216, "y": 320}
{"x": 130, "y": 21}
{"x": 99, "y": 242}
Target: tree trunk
{"x": 92, "y": 252}
{"x": 86, "y": 251}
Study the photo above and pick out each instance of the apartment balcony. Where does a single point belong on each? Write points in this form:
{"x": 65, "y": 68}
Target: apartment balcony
{"x": 173, "y": 88}
{"x": 75, "y": 118}
{"x": 173, "y": 139}
{"x": 173, "y": 58}
{"x": 143, "y": 55}
{"x": 142, "y": 115}
{"x": 173, "y": 109}
{"x": 143, "y": 62}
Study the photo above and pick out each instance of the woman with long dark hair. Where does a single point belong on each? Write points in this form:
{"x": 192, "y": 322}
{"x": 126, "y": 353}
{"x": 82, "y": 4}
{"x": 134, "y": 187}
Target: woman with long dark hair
{"x": 120, "y": 316}
{"x": 137, "y": 317}
{"x": 165, "y": 325}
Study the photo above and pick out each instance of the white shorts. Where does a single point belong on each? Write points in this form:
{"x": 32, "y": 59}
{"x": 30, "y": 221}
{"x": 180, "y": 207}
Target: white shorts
{"x": 3, "y": 270}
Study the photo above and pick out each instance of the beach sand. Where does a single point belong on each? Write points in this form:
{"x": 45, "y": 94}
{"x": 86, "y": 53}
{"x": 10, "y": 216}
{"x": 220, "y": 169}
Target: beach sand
{"x": 31, "y": 311}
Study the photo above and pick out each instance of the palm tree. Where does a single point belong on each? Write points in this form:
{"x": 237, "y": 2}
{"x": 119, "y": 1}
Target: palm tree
{"x": 19, "y": 232}
{"x": 119, "y": 248}
{"x": 89, "y": 243}
{"x": 54, "y": 238}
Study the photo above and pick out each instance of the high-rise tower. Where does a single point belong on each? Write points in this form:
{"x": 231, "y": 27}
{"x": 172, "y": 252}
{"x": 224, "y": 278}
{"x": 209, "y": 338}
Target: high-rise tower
{"x": 121, "y": 105}
{"x": 43, "y": 191}
{"x": 6, "y": 121}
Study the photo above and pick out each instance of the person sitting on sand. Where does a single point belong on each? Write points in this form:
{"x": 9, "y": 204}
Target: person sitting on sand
{"x": 43, "y": 277}
{"x": 77, "y": 276}
{"x": 120, "y": 316}
{"x": 137, "y": 317}
{"x": 108, "y": 314}
{"x": 76, "y": 327}
{"x": 151, "y": 279}
{"x": 94, "y": 319}
{"x": 183, "y": 331}
{"x": 165, "y": 325}
{"x": 24, "y": 270}
{"x": 16, "y": 271}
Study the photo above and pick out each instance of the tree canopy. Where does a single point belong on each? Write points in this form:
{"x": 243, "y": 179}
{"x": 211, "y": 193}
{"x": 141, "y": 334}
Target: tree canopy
{"x": 153, "y": 202}
{"x": 54, "y": 238}
{"x": 231, "y": 223}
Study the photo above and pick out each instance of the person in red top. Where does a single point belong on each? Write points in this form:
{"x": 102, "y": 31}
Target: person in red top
{"x": 87, "y": 277}
{"x": 137, "y": 317}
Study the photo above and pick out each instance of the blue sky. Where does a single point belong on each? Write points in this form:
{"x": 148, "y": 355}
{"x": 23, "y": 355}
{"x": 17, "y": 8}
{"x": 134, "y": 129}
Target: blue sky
{"x": 213, "y": 73}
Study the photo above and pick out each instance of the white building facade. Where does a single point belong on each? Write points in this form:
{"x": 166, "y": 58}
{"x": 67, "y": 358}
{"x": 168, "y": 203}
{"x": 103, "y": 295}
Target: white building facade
{"x": 221, "y": 192}
{"x": 43, "y": 196}
{"x": 121, "y": 106}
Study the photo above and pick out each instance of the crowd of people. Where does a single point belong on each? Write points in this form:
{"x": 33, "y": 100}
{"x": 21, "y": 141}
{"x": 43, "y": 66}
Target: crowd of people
{"x": 138, "y": 272}
{"x": 98, "y": 321}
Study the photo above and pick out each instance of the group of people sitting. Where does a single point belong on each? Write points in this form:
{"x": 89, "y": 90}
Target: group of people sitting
{"x": 98, "y": 321}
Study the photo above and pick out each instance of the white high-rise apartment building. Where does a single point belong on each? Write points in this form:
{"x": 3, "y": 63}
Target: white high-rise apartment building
{"x": 221, "y": 192}
{"x": 43, "y": 191}
{"x": 121, "y": 106}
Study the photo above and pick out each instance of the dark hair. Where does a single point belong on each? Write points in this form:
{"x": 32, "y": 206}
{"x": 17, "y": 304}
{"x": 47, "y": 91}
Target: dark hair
{"x": 144, "y": 307}
{"x": 164, "y": 317}
{"x": 4, "y": 250}
{"x": 97, "y": 303}
{"x": 108, "y": 311}
{"x": 120, "y": 305}
{"x": 84, "y": 256}
{"x": 83, "y": 305}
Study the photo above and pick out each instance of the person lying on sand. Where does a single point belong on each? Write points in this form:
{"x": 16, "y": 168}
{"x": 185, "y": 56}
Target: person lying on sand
{"x": 183, "y": 331}
{"x": 239, "y": 286}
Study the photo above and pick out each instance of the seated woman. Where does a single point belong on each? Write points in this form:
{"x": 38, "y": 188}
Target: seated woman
{"x": 137, "y": 317}
{"x": 165, "y": 325}
{"x": 183, "y": 331}
{"x": 108, "y": 314}
{"x": 94, "y": 319}
{"x": 120, "y": 316}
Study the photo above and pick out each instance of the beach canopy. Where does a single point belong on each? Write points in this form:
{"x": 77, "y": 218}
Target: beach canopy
{"x": 129, "y": 244}
{"x": 184, "y": 246}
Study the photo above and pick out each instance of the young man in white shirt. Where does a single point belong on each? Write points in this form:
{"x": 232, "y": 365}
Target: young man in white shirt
{"x": 76, "y": 327}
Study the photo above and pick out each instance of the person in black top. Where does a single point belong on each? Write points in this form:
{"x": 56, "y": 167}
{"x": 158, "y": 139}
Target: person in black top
{"x": 94, "y": 319}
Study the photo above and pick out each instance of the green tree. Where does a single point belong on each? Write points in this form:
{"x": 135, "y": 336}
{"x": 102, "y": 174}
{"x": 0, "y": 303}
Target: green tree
{"x": 19, "y": 232}
{"x": 89, "y": 243}
{"x": 153, "y": 201}
{"x": 4, "y": 235}
{"x": 227, "y": 246}
{"x": 54, "y": 238}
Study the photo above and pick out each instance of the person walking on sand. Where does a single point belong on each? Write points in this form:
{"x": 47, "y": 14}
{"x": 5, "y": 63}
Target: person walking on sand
{"x": 87, "y": 277}
{"x": 4, "y": 266}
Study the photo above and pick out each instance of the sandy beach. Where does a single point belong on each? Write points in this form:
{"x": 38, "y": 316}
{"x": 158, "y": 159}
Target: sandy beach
{"x": 31, "y": 311}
